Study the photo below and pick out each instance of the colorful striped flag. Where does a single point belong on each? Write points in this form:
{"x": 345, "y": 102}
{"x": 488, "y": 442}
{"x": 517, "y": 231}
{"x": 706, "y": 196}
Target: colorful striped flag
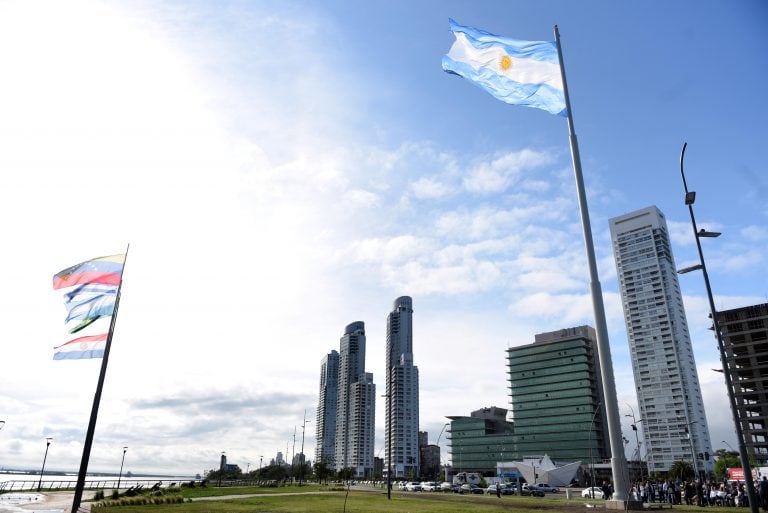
{"x": 92, "y": 296}
{"x": 107, "y": 270}
{"x": 91, "y": 346}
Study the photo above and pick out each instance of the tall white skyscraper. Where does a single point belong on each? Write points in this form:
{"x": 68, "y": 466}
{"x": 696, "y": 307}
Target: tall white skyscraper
{"x": 355, "y": 406}
{"x": 668, "y": 392}
{"x": 402, "y": 400}
{"x": 325, "y": 425}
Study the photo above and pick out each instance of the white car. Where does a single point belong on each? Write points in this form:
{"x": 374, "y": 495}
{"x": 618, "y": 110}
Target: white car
{"x": 413, "y": 487}
{"x": 594, "y": 491}
{"x": 445, "y": 486}
{"x": 430, "y": 486}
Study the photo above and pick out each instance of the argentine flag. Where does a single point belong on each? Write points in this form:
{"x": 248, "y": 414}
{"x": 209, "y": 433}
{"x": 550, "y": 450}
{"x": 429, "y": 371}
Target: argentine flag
{"x": 514, "y": 71}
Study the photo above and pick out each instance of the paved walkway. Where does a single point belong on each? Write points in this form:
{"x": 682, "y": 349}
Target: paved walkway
{"x": 49, "y": 502}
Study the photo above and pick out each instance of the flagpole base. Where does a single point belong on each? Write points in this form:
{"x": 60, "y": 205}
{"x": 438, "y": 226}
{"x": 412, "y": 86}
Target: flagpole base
{"x": 630, "y": 505}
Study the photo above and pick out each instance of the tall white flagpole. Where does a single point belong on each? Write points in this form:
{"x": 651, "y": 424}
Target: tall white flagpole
{"x": 618, "y": 460}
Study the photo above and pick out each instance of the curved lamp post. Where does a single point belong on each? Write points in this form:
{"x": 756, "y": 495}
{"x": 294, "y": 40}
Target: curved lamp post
{"x": 47, "y": 444}
{"x": 635, "y": 422}
{"x": 690, "y": 198}
{"x": 120, "y": 476}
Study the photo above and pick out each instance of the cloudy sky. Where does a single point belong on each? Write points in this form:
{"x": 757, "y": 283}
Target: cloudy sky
{"x": 281, "y": 169}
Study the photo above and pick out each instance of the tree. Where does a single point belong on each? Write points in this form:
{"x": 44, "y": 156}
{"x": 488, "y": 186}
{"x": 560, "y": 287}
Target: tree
{"x": 346, "y": 473}
{"x": 681, "y": 470}
{"x": 322, "y": 471}
{"x": 726, "y": 460}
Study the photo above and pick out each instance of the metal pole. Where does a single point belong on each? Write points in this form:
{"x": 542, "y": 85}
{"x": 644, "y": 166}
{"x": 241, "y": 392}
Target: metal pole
{"x": 635, "y": 422}
{"x": 47, "y": 444}
{"x": 689, "y": 199}
{"x": 301, "y": 457}
{"x": 591, "y": 459}
{"x": 80, "y": 485}
{"x": 618, "y": 460}
{"x": 120, "y": 476}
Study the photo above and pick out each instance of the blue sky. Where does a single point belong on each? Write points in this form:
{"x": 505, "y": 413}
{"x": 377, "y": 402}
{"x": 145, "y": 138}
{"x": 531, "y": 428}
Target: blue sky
{"x": 282, "y": 169}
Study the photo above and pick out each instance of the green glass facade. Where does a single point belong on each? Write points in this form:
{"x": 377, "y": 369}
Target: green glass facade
{"x": 555, "y": 391}
{"x": 478, "y": 442}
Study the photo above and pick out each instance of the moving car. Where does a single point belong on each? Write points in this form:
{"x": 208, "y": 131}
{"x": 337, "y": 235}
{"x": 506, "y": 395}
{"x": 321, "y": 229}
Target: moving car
{"x": 594, "y": 491}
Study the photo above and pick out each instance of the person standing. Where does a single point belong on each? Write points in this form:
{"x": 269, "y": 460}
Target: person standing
{"x": 763, "y": 493}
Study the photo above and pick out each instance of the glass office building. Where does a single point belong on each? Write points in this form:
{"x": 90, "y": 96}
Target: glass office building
{"x": 556, "y": 396}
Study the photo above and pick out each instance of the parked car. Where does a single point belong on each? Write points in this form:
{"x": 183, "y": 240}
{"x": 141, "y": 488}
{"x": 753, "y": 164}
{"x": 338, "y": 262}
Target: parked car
{"x": 546, "y": 488}
{"x": 400, "y": 485}
{"x": 595, "y": 492}
{"x": 430, "y": 486}
{"x": 445, "y": 486}
{"x": 528, "y": 490}
{"x": 505, "y": 489}
{"x": 413, "y": 486}
{"x": 471, "y": 488}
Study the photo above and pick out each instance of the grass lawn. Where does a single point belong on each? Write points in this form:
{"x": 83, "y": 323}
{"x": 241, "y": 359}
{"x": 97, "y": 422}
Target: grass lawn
{"x": 315, "y": 499}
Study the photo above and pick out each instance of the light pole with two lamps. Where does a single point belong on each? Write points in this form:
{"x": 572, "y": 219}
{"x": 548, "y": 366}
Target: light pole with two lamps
{"x": 690, "y": 198}
{"x": 635, "y": 422}
{"x": 47, "y": 444}
{"x": 438, "y": 446}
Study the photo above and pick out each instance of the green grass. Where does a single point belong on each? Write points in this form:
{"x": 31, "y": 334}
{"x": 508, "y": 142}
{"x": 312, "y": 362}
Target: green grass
{"x": 312, "y": 499}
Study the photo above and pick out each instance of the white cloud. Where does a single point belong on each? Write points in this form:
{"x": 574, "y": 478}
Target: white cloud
{"x": 503, "y": 171}
{"x": 755, "y": 233}
{"x": 428, "y": 188}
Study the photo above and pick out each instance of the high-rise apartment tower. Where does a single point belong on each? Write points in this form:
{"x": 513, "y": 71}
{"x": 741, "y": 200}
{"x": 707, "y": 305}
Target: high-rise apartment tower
{"x": 667, "y": 384}
{"x": 325, "y": 424}
{"x": 401, "y": 429}
{"x": 355, "y": 406}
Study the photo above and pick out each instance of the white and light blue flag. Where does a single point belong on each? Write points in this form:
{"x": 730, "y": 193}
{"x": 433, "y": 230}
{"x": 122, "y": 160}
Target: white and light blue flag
{"x": 514, "y": 71}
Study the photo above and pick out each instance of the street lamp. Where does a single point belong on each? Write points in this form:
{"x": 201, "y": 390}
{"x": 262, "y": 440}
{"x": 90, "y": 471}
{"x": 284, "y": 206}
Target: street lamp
{"x": 120, "y": 476}
{"x": 690, "y": 198}
{"x": 47, "y": 444}
{"x": 729, "y": 446}
{"x": 591, "y": 459}
{"x": 389, "y": 407}
{"x": 438, "y": 445}
{"x": 301, "y": 458}
{"x": 693, "y": 450}
{"x": 635, "y": 422}
{"x": 2, "y": 424}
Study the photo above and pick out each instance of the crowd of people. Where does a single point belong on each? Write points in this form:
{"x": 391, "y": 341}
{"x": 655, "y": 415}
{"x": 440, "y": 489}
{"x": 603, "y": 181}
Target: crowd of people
{"x": 698, "y": 493}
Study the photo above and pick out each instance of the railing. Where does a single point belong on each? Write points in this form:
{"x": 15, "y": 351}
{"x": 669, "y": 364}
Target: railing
{"x": 91, "y": 484}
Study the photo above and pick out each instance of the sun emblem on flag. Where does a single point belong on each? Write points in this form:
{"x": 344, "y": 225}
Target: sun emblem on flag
{"x": 506, "y": 62}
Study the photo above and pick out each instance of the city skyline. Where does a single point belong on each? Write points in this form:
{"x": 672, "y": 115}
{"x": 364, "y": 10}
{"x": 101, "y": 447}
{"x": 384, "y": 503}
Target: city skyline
{"x": 321, "y": 156}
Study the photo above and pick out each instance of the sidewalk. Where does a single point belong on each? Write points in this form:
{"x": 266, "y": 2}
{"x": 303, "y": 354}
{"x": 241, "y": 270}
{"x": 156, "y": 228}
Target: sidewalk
{"x": 52, "y": 502}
